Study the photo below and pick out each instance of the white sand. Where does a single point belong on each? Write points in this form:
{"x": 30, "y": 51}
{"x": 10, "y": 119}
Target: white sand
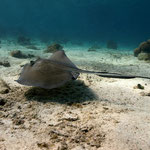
{"x": 104, "y": 113}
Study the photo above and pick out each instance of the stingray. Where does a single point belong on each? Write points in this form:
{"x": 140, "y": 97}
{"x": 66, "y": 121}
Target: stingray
{"x": 56, "y": 71}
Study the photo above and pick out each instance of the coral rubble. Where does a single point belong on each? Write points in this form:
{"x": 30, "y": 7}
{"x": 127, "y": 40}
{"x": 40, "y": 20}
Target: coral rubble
{"x": 143, "y": 51}
{"x": 4, "y": 63}
{"x": 144, "y": 56}
{"x": 53, "y": 48}
{"x": 19, "y": 54}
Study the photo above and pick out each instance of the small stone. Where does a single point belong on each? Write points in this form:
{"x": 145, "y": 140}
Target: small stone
{"x": 105, "y": 108}
{"x": 17, "y": 54}
{"x": 2, "y": 139}
{"x": 139, "y": 86}
{"x": 4, "y": 88}
{"x": 86, "y": 129}
{"x": 19, "y": 107}
{"x": 18, "y": 121}
{"x": 145, "y": 94}
{"x": 4, "y": 91}
{"x": 5, "y": 64}
{"x": 42, "y": 145}
{"x": 148, "y": 94}
{"x": 70, "y": 117}
{"x": 2, "y": 102}
{"x": 115, "y": 121}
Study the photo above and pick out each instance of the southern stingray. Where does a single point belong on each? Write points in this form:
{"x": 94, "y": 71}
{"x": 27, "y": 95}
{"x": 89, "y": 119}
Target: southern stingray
{"x": 56, "y": 71}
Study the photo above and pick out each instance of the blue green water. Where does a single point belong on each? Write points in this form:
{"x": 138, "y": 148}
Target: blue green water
{"x": 124, "y": 21}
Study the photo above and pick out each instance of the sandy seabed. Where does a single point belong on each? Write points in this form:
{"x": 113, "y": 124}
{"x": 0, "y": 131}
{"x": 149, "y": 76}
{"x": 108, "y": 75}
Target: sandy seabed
{"x": 91, "y": 113}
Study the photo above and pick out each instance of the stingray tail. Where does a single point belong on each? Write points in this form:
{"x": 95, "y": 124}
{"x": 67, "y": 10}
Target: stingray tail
{"x": 112, "y": 75}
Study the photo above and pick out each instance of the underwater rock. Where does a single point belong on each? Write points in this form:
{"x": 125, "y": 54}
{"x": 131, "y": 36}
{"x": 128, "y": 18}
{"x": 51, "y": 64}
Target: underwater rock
{"x": 144, "y": 56}
{"x": 143, "y": 51}
{"x": 23, "y": 40}
{"x": 53, "y": 48}
{"x": 111, "y": 44}
{"x": 145, "y": 47}
{"x": 137, "y": 51}
{"x": 19, "y": 54}
{"x": 4, "y": 88}
{"x": 139, "y": 86}
{"x": 5, "y": 63}
{"x": 32, "y": 47}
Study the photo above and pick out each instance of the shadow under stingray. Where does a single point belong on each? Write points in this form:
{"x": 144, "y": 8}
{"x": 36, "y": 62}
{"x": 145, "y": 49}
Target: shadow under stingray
{"x": 73, "y": 92}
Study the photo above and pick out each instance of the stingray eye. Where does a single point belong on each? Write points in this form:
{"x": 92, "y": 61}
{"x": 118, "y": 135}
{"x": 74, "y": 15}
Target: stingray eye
{"x": 32, "y": 63}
